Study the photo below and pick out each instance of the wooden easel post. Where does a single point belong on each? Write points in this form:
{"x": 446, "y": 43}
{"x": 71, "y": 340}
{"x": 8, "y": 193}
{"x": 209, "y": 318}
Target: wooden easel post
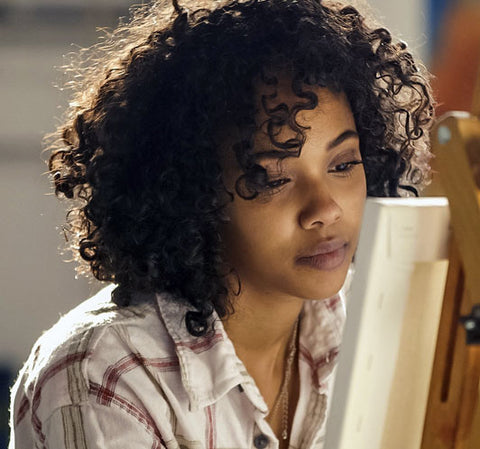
{"x": 453, "y": 411}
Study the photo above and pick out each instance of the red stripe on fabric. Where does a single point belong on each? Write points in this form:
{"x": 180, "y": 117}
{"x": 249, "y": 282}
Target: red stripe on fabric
{"x": 210, "y": 431}
{"x": 203, "y": 344}
{"x": 126, "y": 364}
{"x": 63, "y": 363}
{"x": 156, "y": 444}
{"x": 332, "y": 303}
{"x": 305, "y": 354}
{"x": 322, "y": 360}
{"x": 22, "y": 409}
{"x": 214, "y": 427}
{"x": 139, "y": 413}
{"x": 315, "y": 365}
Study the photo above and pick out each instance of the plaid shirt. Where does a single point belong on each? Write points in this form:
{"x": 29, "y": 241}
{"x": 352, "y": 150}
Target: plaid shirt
{"x": 105, "y": 377}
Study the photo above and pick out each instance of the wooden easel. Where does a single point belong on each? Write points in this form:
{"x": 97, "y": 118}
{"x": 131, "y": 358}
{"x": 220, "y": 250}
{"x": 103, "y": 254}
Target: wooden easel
{"x": 452, "y": 419}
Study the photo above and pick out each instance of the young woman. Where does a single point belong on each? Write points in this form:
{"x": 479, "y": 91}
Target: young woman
{"x": 218, "y": 156}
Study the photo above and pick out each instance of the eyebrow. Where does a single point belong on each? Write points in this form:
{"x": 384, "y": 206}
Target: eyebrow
{"x": 348, "y": 134}
{"x": 275, "y": 154}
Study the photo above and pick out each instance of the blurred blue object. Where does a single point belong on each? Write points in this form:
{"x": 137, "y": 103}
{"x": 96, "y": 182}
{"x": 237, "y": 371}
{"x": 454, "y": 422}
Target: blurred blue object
{"x": 436, "y": 13}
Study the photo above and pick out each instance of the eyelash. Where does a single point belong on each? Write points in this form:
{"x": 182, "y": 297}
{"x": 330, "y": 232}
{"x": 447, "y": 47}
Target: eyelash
{"x": 277, "y": 183}
{"x": 345, "y": 171}
{"x": 349, "y": 166}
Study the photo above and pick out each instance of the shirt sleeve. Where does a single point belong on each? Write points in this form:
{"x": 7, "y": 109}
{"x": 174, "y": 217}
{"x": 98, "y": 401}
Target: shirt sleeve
{"x": 96, "y": 426}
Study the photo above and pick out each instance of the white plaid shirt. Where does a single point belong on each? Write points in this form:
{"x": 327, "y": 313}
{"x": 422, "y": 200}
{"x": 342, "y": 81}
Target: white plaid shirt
{"x": 105, "y": 377}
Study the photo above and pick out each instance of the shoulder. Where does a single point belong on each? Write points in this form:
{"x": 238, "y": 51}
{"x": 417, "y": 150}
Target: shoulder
{"x": 82, "y": 357}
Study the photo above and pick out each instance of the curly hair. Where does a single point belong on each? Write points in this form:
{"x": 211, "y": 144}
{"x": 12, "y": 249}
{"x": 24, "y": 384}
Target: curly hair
{"x": 138, "y": 150}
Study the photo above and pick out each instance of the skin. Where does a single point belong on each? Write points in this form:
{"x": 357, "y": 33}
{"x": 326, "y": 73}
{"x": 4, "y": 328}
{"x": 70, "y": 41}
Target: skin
{"x": 323, "y": 199}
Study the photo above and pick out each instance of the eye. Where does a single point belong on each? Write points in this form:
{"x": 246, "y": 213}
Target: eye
{"x": 345, "y": 167}
{"x": 276, "y": 183}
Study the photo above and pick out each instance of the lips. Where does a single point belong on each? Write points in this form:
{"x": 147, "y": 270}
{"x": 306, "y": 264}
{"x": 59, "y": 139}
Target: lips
{"x": 324, "y": 247}
{"x": 327, "y": 255}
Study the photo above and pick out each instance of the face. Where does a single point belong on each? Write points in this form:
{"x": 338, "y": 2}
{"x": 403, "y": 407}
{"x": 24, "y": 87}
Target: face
{"x": 299, "y": 239}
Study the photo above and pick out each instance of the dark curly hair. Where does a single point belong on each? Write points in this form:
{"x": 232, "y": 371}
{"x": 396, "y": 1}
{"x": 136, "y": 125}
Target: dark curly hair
{"x": 138, "y": 150}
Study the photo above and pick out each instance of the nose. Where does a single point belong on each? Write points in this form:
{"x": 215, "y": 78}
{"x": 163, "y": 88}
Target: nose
{"x": 320, "y": 208}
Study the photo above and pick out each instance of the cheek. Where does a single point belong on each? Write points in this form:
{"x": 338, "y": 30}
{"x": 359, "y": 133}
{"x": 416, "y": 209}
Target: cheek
{"x": 242, "y": 232}
{"x": 359, "y": 203}
{"x": 354, "y": 203}
{"x": 255, "y": 230}
{"x": 254, "y": 235}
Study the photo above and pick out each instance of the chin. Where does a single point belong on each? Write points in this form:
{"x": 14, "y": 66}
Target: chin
{"x": 315, "y": 293}
{"x": 325, "y": 287}
{"x": 323, "y": 295}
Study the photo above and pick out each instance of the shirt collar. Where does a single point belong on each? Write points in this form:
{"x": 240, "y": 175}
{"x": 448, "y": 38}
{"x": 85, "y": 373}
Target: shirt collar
{"x": 320, "y": 337}
{"x": 210, "y": 367}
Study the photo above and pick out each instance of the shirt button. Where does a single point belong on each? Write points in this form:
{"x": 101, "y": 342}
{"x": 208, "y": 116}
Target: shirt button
{"x": 261, "y": 441}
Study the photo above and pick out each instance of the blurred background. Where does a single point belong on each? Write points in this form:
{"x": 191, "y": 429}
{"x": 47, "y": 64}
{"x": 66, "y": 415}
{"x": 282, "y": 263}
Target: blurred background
{"x": 36, "y": 284}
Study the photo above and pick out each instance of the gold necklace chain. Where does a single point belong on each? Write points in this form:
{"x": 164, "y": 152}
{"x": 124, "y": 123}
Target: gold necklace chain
{"x": 282, "y": 396}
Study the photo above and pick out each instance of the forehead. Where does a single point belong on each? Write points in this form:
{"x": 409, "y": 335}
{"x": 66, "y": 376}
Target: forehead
{"x": 332, "y": 114}
{"x": 280, "y": 110}
{"x": 284, "y": 91}
{"x": 326, "y": 121}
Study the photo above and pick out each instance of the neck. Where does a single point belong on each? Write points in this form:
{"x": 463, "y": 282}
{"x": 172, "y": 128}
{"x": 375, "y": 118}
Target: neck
{"x": 262, "y": 323}
{"x": 260, "y": 329}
